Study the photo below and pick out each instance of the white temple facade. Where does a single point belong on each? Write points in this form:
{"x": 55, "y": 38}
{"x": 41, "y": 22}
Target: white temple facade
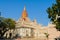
{"x": 25, "y": 28}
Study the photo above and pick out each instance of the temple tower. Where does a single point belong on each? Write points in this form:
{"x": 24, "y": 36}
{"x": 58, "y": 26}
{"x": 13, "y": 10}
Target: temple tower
{"x": 24, "y": 14}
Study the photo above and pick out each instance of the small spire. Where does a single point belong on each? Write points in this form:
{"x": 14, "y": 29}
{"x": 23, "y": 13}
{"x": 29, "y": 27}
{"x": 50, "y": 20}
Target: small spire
{"x": 24, "y": 7}
{"x": 34, "y": 21}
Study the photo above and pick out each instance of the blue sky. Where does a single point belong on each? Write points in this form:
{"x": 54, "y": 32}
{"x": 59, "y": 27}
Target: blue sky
{"x": 36, "y": 9}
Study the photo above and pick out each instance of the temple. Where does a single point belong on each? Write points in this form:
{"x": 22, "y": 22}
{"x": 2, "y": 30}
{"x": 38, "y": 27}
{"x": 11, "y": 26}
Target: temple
{"x": 25, "y": 28}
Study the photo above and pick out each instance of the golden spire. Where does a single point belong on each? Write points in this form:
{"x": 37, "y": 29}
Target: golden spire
{"x": 24, "y": 13}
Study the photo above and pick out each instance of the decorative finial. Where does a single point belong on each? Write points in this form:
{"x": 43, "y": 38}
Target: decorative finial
{"x": 34, "y": 21}
{"x": 24, "y": 7}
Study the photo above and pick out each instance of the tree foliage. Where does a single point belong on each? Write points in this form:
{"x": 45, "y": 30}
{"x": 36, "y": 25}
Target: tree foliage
{"x": 10, "y": 22}
{"x": 5, "y": 25}
{"x": 53, "y": 12}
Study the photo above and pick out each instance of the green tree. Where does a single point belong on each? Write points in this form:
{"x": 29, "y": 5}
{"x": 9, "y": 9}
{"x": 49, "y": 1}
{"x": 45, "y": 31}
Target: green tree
{"x": 5, "y": 25}
{"x": 54, "y": 14}
{"x": 11, "y": 24}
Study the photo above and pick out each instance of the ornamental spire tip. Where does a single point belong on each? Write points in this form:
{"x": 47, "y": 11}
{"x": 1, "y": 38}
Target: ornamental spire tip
{"x": 24, "y": 7}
